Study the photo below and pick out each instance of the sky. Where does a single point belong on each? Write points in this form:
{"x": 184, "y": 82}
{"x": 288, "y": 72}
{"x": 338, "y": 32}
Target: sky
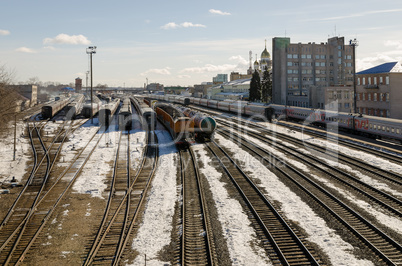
{"x": 180, "y": 42}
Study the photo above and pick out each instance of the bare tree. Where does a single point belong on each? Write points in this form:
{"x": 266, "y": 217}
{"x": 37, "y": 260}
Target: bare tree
{"x": 8, "y": 97}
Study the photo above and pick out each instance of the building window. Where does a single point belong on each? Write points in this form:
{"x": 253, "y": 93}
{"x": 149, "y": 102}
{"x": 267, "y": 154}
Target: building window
{"x": 387, "y": 97}
{"x": 369, "y": 96}
{"x": 347, "y": 105}
{"x": 295, "y": 56}
{"x": 375, "y": 80}
{"x": 322, "y": 64}
{"x": 381, "y": 80}
{"x": 369, "y": 80}
{"x": 375, "y": 96}
{"x": 309, "y": 56}
{"x": 289, "y": 55}
{"x": 290, "y": 64}
{"x": 387, "y": 80}
{"x": 364, "y": 81}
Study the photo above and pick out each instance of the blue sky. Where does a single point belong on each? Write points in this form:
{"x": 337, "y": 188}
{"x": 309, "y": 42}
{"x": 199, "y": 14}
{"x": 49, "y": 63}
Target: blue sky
{"x": 181, "y": 42}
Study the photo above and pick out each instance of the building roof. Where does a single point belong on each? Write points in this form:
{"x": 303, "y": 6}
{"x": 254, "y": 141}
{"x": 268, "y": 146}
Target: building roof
{"x": 384, "y": 68}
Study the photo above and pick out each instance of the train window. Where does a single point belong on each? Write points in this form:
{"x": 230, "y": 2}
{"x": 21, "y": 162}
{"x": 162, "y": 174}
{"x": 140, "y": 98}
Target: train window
{"x": 397, "y": 131}
{"x": 387, "y": 129}
{"x": 392, "y": 130}
{"x": 383, "y": 128}
{"x": 375, "y": 127}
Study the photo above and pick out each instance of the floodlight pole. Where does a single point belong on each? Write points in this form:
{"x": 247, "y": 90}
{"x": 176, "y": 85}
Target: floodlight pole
{"x": 91, "y": 50}
{"x": 354, "y": 43}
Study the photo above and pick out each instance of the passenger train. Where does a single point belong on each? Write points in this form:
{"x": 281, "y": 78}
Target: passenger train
{"x": 365, "y": 125}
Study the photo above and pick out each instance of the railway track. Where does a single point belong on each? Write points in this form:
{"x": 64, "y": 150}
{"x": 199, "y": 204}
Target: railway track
{"x": 127, "y": 194}
{"x": 197, "y": 247}
{"x": 19, "y": 232}
{"x": 383, "y": 199}
{"x": 283, "y": 244}
{"x": 386, "y": 249}
{"x": 392, "y": 177}
{"x": 380, "y": 151}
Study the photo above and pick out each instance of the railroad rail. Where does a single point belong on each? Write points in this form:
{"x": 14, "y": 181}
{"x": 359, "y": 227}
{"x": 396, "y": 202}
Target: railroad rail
{"x": 20, "y": 234}
{"x": 283, "y": 244}
{"x": 386, "y": 248}
{"x": 382, "y": 198}
{"x": 197, "y": 246}
{"x": 126, "y": 198}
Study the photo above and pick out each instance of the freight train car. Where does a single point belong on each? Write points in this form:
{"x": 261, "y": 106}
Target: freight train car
{"x": 204, "y": 126}
{"x": 180, "y": 127}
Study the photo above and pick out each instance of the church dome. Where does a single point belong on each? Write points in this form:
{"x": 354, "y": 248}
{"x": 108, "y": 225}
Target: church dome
{"x": 265, "y": 53}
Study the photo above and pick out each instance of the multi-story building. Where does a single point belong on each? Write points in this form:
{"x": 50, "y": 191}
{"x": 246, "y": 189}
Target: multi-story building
{"x": 302, "y": 71}
{"x": 220, "y": 78}
{"x": 379, "y": 90}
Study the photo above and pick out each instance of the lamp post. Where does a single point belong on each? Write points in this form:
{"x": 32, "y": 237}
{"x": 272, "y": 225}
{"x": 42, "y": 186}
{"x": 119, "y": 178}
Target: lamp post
{"x": 91, "y": 50}
{"x": 354, "y": 43}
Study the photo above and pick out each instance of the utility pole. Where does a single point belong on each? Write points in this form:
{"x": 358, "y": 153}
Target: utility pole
{"x": 91, "y": 50}
{"x": 354, "y": 43}
{"x": 15, "y": 135}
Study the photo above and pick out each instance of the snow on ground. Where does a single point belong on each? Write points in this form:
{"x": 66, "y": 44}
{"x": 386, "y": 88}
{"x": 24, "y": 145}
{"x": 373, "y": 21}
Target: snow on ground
{"x": 155, "y": 231}
{"x": 9, "y": 167}
{"x": 390, "y": 221}
{"x": 295, "y": 209}
{"x": 100, "y": 164}
{"x": 361, "y": 155}
{"x": 236, "y": 226}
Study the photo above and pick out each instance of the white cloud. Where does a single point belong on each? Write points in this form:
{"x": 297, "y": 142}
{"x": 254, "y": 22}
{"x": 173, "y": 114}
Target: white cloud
{"x": 225, "y": 68}
{"x": 173, "y": 25}
{"x": 160, "y": 71}
{"x": 51, "y": 48}
{"x": 67, "y": 39}
{"x": 25, "y": 50}
{"x": 4, "y": 32}
{"x": 210, "y": 68}
{"x": 218, "y": 12}
{"x": 397, "y": 44}
{"x": 184, "y": 76}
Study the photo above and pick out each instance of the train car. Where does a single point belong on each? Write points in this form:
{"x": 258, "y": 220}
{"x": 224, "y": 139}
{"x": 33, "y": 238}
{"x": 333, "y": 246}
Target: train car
{"x": 183, "y": 100}
{"x": 212, "y": 104}
{"x": 86, "y": 109}
{"x": 195, "y": 101}
{"x": 51, "y": 109}
{"x": 204, "y": 126}
{"x": 237, "y": 107}
{"x": 146, "y": 113}
{"x": 259, "y": 111}
{"x": 125, "y": 115}
{"x": 149, "y": 118}
{"x": 204, "y": 102}
{"x": 378, "y": 127}
{"x": 75, "y": 106}
{"x": 107, "y": 111}
{"x": 180, "y": 127}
